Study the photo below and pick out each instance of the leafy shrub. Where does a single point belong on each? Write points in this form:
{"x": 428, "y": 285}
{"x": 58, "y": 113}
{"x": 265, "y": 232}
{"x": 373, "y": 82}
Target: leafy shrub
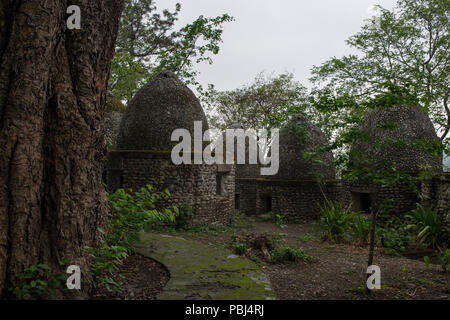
{"x": 429, "y": 226}
{"x": 361, "y": 227}
{"x": 106, "y": 261}
{"x": 239, "y": 248}
{"x": 130, "y": 213}
{"x": 34, "y": 283}
{"x": 185, "y": 215}
{"x": 394, "y": 236}
{"x": 444, "y": 259}
{"x": 336, "y": 219}
{"x": 287, "y": 254}
{"x": 278, "y": 219}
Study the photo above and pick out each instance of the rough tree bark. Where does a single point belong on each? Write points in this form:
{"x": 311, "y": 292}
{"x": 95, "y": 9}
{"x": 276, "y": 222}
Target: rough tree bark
{"x": 52, "y": 95}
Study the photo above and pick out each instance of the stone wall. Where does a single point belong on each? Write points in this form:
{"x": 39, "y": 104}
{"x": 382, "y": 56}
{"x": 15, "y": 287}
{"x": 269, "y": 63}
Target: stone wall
{"x": 398, "y": 199}
{"x": 112, "y": 125}
{"x": 297, "y": 200}
{"x": 193, "y": 184}
{"x": 246, "y": 196}
{"x": 437, "y": 190}
{"x": 213, "y": 198}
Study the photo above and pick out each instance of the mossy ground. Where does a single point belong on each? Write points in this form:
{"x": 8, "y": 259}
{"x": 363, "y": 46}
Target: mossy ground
{"x": 199, "y": 271}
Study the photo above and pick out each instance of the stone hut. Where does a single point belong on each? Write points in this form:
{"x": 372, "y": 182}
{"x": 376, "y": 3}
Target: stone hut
{"x": 384, "y": 129}
{"x": 144, "y": 147}
{"x": 297, "y": 137}
{"x": 294, "y": 192}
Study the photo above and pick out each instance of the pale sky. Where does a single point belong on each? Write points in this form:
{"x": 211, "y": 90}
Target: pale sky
{"x": 276, "y": 36}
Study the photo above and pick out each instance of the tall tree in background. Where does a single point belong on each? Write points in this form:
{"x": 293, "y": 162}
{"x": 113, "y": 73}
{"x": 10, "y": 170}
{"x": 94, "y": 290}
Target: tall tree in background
{"x": 407, "y": 47}
{"x": 148, "y": 43}
{"x": 52, "y": 95}
{"x": 264, "y": 104}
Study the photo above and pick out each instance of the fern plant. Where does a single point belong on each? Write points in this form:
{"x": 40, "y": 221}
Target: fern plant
{"x": 428, "y": 225}
{"x": 361, "y": 226}
{"x": 336, "y": 219}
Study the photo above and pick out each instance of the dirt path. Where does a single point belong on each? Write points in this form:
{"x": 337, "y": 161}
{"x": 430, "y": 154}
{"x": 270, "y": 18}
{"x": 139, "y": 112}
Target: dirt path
{"x": 339, "y": 272}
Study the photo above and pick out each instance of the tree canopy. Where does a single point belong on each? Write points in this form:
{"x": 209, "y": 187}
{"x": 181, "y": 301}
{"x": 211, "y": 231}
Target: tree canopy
{"x": 263, "y": 104}
{"x": 405, "y": 47}
{"x": 148, "y": 43}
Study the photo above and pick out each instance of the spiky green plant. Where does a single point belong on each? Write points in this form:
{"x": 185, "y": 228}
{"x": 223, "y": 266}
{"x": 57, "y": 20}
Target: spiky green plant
{"x": 428, "y": 225}
{"x": 336, "y": 219}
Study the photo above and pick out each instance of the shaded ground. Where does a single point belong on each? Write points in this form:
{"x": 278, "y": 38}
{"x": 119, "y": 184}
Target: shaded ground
{"x": 339, "y": 272}
{"x": 142, "y": 278}
{"x": 202, "y": 272}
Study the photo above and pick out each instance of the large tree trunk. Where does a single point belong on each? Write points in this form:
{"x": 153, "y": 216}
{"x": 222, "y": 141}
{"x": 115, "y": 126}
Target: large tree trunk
{"x": 52, "y": 95}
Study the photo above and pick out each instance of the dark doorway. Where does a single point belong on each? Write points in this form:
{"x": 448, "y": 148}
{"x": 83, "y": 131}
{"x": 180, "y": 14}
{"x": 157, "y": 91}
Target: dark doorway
{"x": 237, "y": 199}
{"x": 365, "y": 203}
{"x": 362, "y": 202}
{"x": 121, "y": 181}
{"x": 267, "y": 204}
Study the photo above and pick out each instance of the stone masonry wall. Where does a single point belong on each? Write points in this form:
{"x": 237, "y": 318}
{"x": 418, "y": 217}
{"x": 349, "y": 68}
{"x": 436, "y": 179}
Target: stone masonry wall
{"x": 398, "y": 199}
{"x": 295, "y": 200}
{"x": 437, "y": 190}
{"x": 193, "y": 184}
{"x": 246, "y": 192}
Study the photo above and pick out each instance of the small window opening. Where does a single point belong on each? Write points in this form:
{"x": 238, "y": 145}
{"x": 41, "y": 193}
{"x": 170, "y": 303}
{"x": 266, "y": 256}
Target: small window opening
{"x": 267, "y": 204}
{"x": 237, "y": 199}
{"x": 219, "y": 184}
{"x": 121, "y": 181}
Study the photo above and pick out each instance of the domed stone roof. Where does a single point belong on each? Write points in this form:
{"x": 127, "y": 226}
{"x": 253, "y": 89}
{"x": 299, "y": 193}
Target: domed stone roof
{"x": 385, "y": 126}
{"x": 246, "y": 170}
{"x": 298, "y": 136}
{"x": 160, "y": 107}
